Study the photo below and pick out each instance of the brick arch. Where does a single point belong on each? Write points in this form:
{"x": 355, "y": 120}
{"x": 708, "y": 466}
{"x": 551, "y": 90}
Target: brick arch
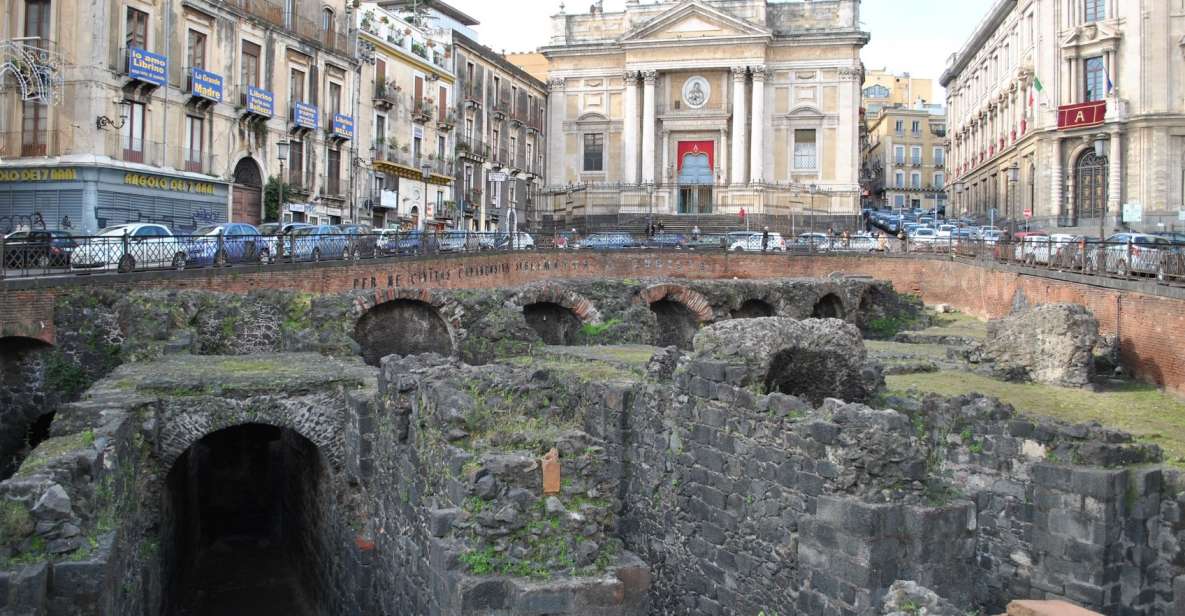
{"x": 581, "y": 306}
{"x": 449, "y": 310}
{"x": 179, "y": 431}
{"x": 693, "y": 300}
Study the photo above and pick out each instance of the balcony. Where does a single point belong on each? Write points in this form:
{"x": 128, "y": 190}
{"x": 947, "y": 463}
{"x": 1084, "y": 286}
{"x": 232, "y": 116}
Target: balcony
{"x": 298, "y": 182}
{"x": 501, "y": 158}
{"x": 472, "y": 96}
{"x": 472, "y": 199}
{"x": 501, "y": 108}
{"x": 331, "y": 186}
{"x": 42, "y": 142}
{"x": 473, "y": 148}
{"x": 386, "y": 95}
{"x": 447, "y": 122}
{"x": 422, "y": 111}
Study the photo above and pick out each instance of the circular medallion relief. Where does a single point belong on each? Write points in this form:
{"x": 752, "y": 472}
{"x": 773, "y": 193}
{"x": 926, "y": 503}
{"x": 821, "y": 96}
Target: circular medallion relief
{"x": 696, "y": 91}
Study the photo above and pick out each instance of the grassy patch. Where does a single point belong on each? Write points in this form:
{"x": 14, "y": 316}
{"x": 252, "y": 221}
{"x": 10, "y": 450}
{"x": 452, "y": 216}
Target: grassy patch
{"x": 883, "y": 349}
{"x": 596, "y": 330}
{"x": 52, "y": 448}
{"x": 15, "y": 521}
{"x": 64, "y": 376}
{"x": 1138, "y": 408}
{"x": 585, "y": 369}
{"x": 956, "y": 324}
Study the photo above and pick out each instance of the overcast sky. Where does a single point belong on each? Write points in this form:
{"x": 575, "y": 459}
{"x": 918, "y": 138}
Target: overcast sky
{"x": 914, "y": 36}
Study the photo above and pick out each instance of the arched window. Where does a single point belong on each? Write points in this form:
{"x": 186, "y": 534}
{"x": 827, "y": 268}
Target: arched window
{"x": 1090, "y": 181}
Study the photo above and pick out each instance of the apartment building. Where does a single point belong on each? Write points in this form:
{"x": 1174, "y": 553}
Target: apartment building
{"x": 1067, "y": 113}
{"x": 904, "y": 159}
{"x": 407, "y": 93}
{"x": 884, "y": 88}
{"x": 175, "y": 112}
{"x": 501, "y": 148}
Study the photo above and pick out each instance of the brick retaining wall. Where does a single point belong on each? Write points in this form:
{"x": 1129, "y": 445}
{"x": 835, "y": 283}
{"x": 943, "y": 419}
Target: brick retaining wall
{"x": 1150, "y": 320}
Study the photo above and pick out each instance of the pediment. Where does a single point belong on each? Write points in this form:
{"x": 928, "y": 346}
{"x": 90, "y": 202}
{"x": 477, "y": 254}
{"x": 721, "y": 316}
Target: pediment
{"x": 693, "y": 19}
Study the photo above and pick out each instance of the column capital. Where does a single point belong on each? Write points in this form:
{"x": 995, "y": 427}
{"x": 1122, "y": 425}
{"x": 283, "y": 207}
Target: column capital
{"x": 631, "y": 77}
{"x": 758, "y": 73}
{"x": 738, "y": 73}
{"x": 649, "y": 76}
{"x": 555, "y": 84}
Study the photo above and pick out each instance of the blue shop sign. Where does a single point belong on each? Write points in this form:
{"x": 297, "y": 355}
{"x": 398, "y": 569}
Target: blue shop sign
{"x": 343, "y": 126}
{"x": 304, "y": 115}
{"x": 147, "y": 66}
{"x": 206, "y": 85}
{"x": 260, "y": 101}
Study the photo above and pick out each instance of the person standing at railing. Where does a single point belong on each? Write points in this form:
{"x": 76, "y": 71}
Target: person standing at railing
{"x": 764, "y": 239}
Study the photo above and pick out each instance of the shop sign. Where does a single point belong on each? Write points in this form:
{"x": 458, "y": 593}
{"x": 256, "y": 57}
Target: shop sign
{"x": 304, "y": 115}
{"x": 260, "y": 101}
{"x": 389, "y": 199}
{"x": 1081, "y": 115}
{"x": 206, "y": 85}
{"x": 38, "y": 175}
{"x": 147, "y": 66}
{"x": 343, "y": 126}
{"x": 172, "y": 184}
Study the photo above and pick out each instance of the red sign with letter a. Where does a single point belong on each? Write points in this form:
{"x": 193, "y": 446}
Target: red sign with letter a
{"x": 1082, "y": 115}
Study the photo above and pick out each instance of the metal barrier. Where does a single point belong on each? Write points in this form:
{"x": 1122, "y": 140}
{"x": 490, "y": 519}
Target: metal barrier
{"x": 48, "y": 254}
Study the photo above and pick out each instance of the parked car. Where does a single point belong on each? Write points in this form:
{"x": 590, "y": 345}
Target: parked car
{"x": 707, "y": 241}
{"x": 280, "y": 232}
{"x": 1044, "y": 249}
{"x": 515, "y": 241}
{"x": 1025, "y": 242}
{"x": 1140, "y": 253}
{"x": 608, "y": 241}
{"x": 946, "y": 231}
{"x": 126, "y": 248}
{"x": 812, "y": 242}
{"x": 487, "y": 241}
{"x": 859, "y": 242}
{"x": 228, "y": 243}
{"x": 38, "y": 249}
{"x": 397, "y": 242}
{"x": 924, "y": 236}
{"x": 750, "y": 241}
{"x": 459, "y": 241}
{"x": 317, "y": 243}
{"x": 361, "y": 240}
{"x": 666, "y": 240}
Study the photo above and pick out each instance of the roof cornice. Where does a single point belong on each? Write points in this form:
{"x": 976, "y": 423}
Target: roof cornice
{"x": 986, "y": 29}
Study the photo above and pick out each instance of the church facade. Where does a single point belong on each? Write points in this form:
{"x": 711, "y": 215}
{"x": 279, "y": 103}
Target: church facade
{"x": 703, "y": 107}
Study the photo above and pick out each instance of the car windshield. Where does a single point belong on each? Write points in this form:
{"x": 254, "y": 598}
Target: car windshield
{"x": 18, "y": 235}
{"x": 208, "y": 230}
{"x": 268, "y": 228}
{"x": 305, "y": 231}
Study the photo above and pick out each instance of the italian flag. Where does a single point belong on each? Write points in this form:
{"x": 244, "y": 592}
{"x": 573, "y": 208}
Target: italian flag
{"x": 1036, "y": 86}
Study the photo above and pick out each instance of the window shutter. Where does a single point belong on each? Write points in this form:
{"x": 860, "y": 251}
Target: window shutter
{"x": 442, "y": 103}
{"x": 419, "y": 88}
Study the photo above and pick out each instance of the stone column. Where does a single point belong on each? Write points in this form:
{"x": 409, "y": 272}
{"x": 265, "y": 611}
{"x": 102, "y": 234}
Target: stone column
{"x": 648, "y": 78}
{"x": 629, "y": 141}
{"x": 738, "y": 126}
{"x": 757, "y": 147}
{"x": 1115, "y": 175}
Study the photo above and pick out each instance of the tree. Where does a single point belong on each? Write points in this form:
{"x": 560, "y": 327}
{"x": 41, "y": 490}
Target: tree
{"x": 271, "y": 198}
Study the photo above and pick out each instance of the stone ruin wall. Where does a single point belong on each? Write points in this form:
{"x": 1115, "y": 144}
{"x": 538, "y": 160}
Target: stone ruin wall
{"x": 726, "y": 500}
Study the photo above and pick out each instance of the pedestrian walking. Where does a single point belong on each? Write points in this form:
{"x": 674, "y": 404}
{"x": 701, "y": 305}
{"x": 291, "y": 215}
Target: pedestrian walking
{"x": 764, "y": 239}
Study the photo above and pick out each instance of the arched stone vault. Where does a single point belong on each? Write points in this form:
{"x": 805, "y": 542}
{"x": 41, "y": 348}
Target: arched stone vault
{"x": 693, "y": 300}
{"x": 581, "y": 306}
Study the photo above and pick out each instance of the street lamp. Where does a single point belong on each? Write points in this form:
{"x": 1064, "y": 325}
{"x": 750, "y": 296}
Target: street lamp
{"x": 103, "y": 121}
{"x": 1100, "y": 151}
{"x": 813, "y": 188}
{"x": 282, "y": 155}
{"x": 426, "y": 171}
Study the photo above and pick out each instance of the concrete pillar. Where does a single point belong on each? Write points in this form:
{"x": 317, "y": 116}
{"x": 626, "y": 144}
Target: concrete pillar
{"x": 757, "y": 147}
{"x": 629, "y": 144}
{"x": 738, "y": 126}
{"x": 648, "y": 78}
